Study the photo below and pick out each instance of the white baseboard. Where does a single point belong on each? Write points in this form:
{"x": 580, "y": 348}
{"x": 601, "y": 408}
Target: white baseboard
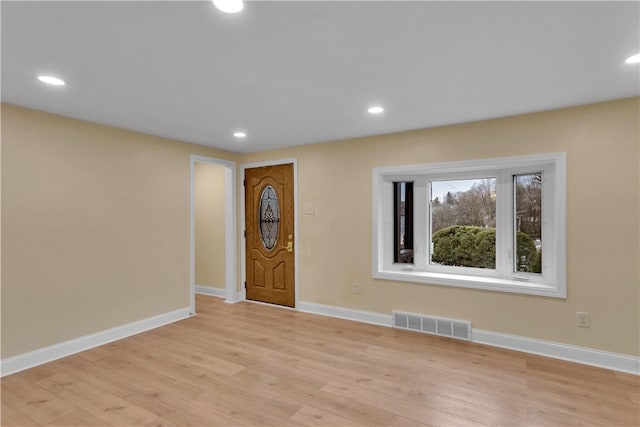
{"x": 583, "y": 355}
{"x": 571, "y": 353}
{"x": 208, "y": 290}
{"x": 37, "y": 357}
{"x": 241, "y": 296}
{"x": 218, "y": 293}
{"x": 345, "y": 313}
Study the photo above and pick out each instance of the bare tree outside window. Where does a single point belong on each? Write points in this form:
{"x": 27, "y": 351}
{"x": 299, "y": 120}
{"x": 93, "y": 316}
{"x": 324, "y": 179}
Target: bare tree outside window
{"x": 528, "y": 221}
{"x": 463, "y": 222}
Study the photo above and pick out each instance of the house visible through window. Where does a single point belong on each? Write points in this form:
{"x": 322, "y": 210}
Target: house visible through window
{"x": 493, "y": 224}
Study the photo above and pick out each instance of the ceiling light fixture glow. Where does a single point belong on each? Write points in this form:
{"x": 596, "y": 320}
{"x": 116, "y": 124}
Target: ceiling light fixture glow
{"x": 375, "y": 110}
{"x": 229, "y": 6}
{"x": 240, "y": 134}
{"x": 51, "y": 80}
{"x": 633, "y": 59}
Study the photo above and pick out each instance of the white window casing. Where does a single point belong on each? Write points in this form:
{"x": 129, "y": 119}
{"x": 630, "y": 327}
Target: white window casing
{"x": 551, "y": 282}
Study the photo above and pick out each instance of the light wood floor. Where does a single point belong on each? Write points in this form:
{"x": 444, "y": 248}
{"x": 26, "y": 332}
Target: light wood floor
{"x": 253, "y": 365}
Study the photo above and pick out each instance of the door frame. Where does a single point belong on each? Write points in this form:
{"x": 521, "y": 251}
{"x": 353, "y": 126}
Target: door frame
{"x": 296, "y": 241}
{"x": 230, "y": 228}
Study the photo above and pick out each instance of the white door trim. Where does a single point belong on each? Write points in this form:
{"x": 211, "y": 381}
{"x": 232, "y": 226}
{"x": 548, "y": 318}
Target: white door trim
{"x": 230, "y": 228}
{"x": 296, "y": 240}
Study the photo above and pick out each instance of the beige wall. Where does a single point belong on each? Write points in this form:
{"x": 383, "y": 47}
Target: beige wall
{"x": 95, "y": 227}
{"x": 601, "y": 142}
{"x": 209, "y": 224}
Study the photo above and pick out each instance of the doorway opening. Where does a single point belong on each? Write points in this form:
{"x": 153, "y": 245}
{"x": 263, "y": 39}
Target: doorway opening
{"x": 228, "y": 216}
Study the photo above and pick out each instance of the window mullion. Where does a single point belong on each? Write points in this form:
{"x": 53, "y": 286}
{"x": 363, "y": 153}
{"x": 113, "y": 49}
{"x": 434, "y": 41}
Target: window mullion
{"x": 504, "y": 224}
{"x": 420, "y": 217}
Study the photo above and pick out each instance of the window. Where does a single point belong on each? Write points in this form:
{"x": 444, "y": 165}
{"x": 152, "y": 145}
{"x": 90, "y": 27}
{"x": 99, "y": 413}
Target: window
{"x": 462, "y": 222}
{"x": 496, "y": 224}
{"x": 269, "y": 217}
{"x": 403, "y": 222}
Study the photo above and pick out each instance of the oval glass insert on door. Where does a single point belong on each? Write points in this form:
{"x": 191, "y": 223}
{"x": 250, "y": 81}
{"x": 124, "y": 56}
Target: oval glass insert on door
{"x": 269, "y": 217}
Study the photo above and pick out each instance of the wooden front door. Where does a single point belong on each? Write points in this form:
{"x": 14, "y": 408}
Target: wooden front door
{"x": 269, "y": 234}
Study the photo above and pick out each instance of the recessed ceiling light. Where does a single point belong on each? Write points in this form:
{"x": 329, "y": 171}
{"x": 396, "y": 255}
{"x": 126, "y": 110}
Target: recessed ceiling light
{"x": 229, "y": 6}
{"x": 633, "y": 59}
{"x": 240, "y": 134}
{"x": 51, "y": 80}
{"x": 375, "y": 110}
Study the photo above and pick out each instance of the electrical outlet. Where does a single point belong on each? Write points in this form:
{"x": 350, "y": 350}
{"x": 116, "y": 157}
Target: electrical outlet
{"x": 356, "y": 288}
{"x": 583, "y": 319}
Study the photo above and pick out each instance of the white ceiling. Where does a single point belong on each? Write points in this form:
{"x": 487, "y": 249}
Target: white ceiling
{"x": 292, "y": 73}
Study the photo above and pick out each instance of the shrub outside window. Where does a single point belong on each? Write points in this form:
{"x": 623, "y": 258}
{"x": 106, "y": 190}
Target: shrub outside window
{"x": 496, "y": 224}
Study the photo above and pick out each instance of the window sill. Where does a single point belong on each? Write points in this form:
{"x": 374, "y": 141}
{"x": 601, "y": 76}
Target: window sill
{"x": 472, "y": 282}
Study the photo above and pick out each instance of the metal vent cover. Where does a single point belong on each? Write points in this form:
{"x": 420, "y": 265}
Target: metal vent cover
{"x": 452, "y": 328}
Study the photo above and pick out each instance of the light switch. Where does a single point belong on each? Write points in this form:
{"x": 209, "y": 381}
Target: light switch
{"x": 308, "y": 209}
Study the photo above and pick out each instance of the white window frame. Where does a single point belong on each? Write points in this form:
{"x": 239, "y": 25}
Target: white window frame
{"x": 552, "y": 281}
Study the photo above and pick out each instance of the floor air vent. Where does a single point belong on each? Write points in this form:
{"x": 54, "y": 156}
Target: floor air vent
{"x": 460, "y": 329}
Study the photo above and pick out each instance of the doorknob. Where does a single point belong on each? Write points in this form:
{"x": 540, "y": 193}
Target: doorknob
{"x": 289, "y": 246}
